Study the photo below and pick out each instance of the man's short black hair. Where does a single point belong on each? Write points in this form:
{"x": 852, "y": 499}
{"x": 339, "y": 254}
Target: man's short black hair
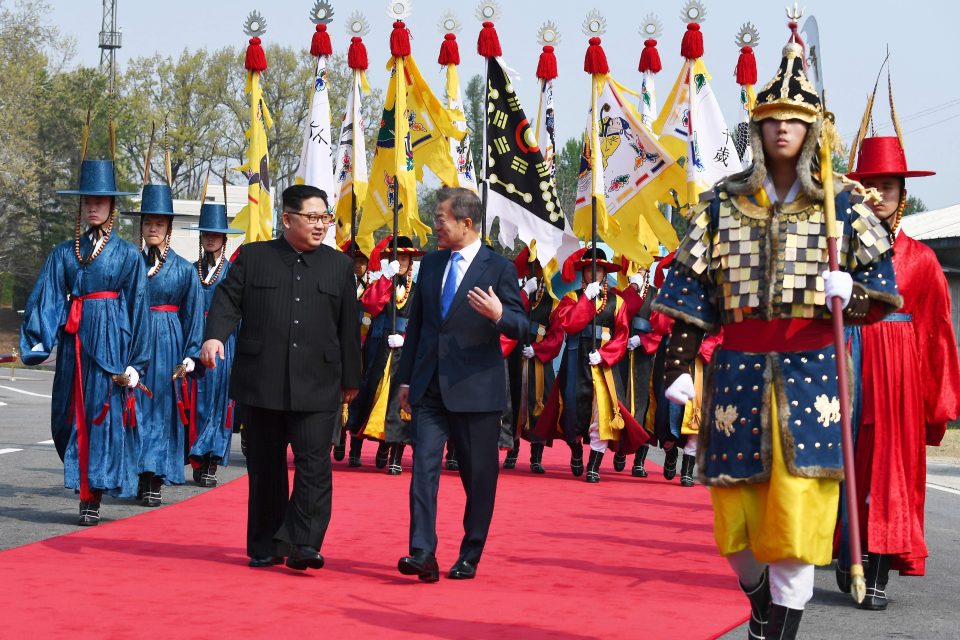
{"x": 294, "y": 196}
{"x": 463, "y": 203}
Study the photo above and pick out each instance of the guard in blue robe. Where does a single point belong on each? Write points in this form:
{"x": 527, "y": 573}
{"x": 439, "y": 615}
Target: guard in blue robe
{"x": 89, "y": 302}
{"x": 214, "y": 409}
{"x": 176, "y": 318}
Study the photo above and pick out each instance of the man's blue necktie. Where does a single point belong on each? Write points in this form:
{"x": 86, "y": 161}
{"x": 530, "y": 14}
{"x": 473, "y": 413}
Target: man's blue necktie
{"x": 450, "y": 285}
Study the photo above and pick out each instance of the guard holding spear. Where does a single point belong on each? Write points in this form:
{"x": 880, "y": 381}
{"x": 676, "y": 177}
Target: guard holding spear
{"x": 758, "y": 260}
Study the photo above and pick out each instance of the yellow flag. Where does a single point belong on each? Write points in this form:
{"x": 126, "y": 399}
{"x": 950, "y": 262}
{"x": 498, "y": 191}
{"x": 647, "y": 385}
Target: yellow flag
{"x": 412, "y": 113}
{"x": 629, "y": 173}
{"x": 256, "y": 218}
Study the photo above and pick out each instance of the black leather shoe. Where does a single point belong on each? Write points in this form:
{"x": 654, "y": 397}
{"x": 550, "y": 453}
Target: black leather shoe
{"x": 576, "y": 460}
{"x": 89, "y": 514}
{"x": 510, "y": 462}
{"x": 339, "y": 451}
{"x": 422, "y": 564}
{"x": 452, "y": 464}
{"x": 639, "y": 470}
{"x": 265, "y": 561}
{"x": 462, "y": 570}
{"x": 383, "y": 455}
{"x": 304, "y": 557}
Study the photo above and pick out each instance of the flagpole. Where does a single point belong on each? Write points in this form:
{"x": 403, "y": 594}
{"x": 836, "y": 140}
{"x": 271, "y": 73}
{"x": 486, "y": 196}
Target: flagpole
{"x": 488, "y": 46}
{"x": 396, "y": 223}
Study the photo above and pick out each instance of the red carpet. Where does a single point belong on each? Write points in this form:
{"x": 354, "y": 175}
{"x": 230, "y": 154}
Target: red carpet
{"x": 628, "y": 558}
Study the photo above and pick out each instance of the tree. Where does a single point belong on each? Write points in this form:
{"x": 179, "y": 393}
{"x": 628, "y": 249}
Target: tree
{"x": 913, "y": 205}
{"x": 474, "y": 110}
{"x": 568, "y": 175}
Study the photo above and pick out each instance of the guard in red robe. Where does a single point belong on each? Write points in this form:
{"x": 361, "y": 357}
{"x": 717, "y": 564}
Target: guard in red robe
{"x": 901, "y": 412}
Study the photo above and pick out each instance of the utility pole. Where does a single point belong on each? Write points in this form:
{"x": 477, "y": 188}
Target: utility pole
{"x": 110, "y": 38}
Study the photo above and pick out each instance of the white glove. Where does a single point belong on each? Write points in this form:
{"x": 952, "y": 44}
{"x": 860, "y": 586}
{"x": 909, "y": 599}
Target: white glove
{"x": 838, "y": 284}
{"x": 189, "y": 365}
{"x": 592, "y": 290}
{"x": 389, "y": 269}
{"x": 681, "y": 391}
{"x": 528, "y": 352}
{"x": 395, "y": 341}
{"x": 134, "y": 377}
{"x": 37, "y": 347}
{"x": 594, "y": 358}
{"x": 530, "y": 286}
{"x": 633, "y": 343}
{"x": 637, "y": 279}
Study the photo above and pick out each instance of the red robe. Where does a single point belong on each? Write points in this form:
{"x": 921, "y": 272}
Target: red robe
{"x": 911, "y": 378}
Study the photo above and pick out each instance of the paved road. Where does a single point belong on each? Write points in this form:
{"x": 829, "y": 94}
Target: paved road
{"x": 34, "y": 506}
{"x": 33, "y": 503}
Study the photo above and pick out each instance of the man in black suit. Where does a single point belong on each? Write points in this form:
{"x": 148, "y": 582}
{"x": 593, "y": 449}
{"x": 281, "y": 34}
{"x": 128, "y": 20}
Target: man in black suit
{"x": 452, "y": 375}
{"x": 298, "y": 359}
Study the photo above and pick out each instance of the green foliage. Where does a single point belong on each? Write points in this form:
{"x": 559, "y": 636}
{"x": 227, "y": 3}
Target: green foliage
{"x": 474, "y": 111}
{"x": 568, "y": 172}
{"x": 913, "y": 205}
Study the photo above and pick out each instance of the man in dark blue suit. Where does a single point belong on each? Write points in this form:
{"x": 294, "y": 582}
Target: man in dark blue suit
{"x": 452, "y": 375}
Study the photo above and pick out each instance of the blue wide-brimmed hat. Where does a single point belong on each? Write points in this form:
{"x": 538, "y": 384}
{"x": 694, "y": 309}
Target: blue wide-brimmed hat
{"x": 157, "y": 200}
{"x": 97, "y": 178}
{"x": 213, "y": 219}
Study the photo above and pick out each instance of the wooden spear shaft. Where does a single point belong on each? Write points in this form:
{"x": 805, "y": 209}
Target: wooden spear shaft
{"x": 858, "y": 583}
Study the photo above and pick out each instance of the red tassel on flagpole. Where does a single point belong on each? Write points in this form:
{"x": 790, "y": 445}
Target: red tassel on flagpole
{"x": 256, "y": 58}
{"x": 399, "y": 40}
{"x": 547, "y": 67}
{"x": 650, "y": 57}
{"x": 321, "y": 46}
{"x": 449, "y": 51}
{"x": 488, "y": 43}
{"x": 746, "y": 67}
{"x": 357, "y": 54}
{"x": 521, "y": 262}
{"x": 595, "y": 62}
{"x": 691, "y": 47}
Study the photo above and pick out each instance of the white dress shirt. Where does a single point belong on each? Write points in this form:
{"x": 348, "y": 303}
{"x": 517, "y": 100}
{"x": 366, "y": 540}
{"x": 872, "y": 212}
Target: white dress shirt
{"x": 467, "y": 255}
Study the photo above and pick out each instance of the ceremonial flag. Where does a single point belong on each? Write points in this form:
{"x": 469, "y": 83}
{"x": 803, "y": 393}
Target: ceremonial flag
{"x": 256, "y": 218}
{"x": 650, "y": 66}
{"x": 692, "y": 127}
{"x": 351, "y": 171}
{"x": 546, "y": 114}
{"x": 746, "y": 77}
{"x": 459, "y": 149}
{"x": 316, "y": 155}
{"x": 413, "y": 117}
{"x": 522, "y": 193}
{"x": 629, "y": 175}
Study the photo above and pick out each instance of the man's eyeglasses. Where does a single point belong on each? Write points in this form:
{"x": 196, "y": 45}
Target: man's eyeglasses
{"x": 314, "y": 218}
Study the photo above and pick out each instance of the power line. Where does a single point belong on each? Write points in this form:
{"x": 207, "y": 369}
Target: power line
{"x": 913, "y": 116}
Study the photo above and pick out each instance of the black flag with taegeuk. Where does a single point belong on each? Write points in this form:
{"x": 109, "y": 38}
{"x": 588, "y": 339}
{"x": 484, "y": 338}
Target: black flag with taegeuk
{"x": 522, "y": 191}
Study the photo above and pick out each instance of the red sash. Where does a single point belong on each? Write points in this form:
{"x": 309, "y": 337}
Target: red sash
{"x": 169, "y": 308}
{"x": 79, "y": 411}
{"x": 778, "y": 335}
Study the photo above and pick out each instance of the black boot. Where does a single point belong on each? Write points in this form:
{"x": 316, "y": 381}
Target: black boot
{"x": 90, "y": 511}
{"x": 536, "y": 459}
{"x": 784, "y": 623}
{"x": 844, "y": 581}
{"x": 877, "y": 571}
{"x": 383, "y": 454}
{"x": 639, "y": 471}
{"x": 144, "y": 484}
{"x": 197, "y": 472}
{"x": 670, "y": 463}
{"x": 686, "y": 470}
{"x": 208, "y": 475}
{"x": 356, "y": 447}
{"x": 152, "y": 496}
{"x": 510, "y": 462}
{"x": 619, "y": 461}
{"x": 593, "y": 466}
{"x": 759, "y": 598}
{"x": 451, "y": 458}
{"x": 576, "y": 459}
{"x": 396, "y": 457}
{"x": 340, "y": 449}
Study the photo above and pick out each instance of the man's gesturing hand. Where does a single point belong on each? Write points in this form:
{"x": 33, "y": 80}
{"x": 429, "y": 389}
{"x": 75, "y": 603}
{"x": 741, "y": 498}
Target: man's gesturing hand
{"x": 209, "y": 352}
{"x": 486, "y": 303}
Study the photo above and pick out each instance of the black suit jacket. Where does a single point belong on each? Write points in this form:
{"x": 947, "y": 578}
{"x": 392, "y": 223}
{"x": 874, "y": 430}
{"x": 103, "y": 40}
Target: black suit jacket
{"x": 463, "y": 350}
{"x": 299, "y": 340}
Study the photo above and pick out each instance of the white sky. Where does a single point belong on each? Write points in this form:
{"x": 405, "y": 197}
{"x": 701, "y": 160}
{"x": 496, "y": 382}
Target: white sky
{"x": 854, "y": 36}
